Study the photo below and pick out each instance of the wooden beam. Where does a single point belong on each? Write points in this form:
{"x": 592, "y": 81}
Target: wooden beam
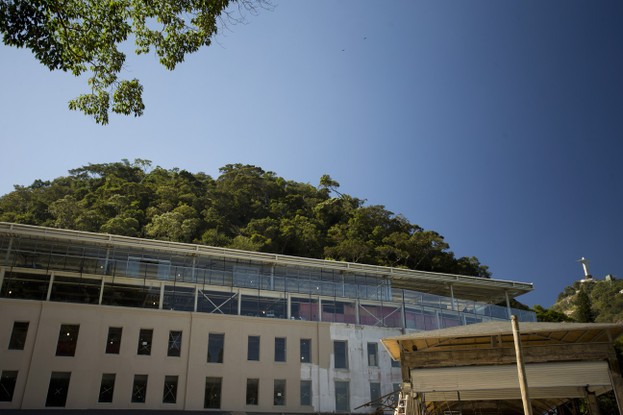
{"x": 504, "y": 356}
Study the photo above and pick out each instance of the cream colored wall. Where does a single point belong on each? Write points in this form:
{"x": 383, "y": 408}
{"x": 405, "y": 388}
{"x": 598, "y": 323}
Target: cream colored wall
{"x": 90, "y": 361}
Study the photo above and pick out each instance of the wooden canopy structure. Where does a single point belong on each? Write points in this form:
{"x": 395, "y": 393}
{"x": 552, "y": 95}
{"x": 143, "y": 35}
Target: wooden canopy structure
{"x": 472, "y": 369}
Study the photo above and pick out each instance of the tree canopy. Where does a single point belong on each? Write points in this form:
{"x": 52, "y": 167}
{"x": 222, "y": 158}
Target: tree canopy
{"x": 245, "y": 208}
{"x": 84, "y": 36}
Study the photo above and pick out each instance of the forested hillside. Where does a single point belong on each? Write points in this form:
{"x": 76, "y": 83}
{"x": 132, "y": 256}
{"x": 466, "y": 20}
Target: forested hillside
{"x": 599, "y": 301}
{"x": 245, "y": 208}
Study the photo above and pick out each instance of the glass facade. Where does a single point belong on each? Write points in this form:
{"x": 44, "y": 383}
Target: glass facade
{"x": 149, "y": 274}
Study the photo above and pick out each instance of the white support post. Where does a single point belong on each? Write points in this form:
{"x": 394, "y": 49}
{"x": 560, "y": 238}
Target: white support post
{"x": 196, "y": 297}
{"x": 101, "y": 291}
{"x": 47, "y": 298}
{"x": 289, "y": 311}
{"x": 239, "y": 303}
{"x": 161, "y": 302}
{"x": 319, "y": 309}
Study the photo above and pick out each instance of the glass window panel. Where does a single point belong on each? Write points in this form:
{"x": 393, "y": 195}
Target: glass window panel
{"x": 217, "y": 302}
{"x": 279, "y": 392}
{"x": 305, "y": 350}
{"x": 174, "y": 346}
{"x": 58, "y": 389}
{"x": 342, "y": 396}
{"x": 178, "y": 298}
{"x": 340, "y": 353}
{"x": 216, "y": 347}
{"x": 144, "y": 342}
{"x": 212, "y": 397}
{"x": 280, "y": 349}
{"x": 169, "y": 394}
{"x": 107, "y": 388}
{"x": 67, "y": 340}
{"x": 8, "y": 378}
{"x": 18, "y": 335}
{"x": 131, "y": 295}
{"x": 113, "y": 341}
{"x": 253, "y": 390}
{"x": 76, "y": 290}
{"x": 373, "y": 354}
{"x": 375, "y": 393}
{"x": 253, "y": 348}
{"x": 25, "y": 286}
{"x": 306, "y": 393}
{"x": 139, "y": 389}
{"x": 304, "y": 309}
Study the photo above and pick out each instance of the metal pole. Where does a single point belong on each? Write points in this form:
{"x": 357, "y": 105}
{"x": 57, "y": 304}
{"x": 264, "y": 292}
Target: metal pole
{"x": 521, "y": 369}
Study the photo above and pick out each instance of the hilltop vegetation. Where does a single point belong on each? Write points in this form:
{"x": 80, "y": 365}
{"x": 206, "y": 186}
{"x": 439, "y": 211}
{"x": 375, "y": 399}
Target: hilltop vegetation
{"x": 245, "y": 208}
{"x": 599, "y": 301}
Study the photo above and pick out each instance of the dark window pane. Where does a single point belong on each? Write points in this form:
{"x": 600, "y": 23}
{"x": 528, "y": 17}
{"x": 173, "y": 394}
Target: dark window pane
{"x": 107, "y": 387}
{"x": 279, "y": 394}
{"x": 169, "y": 395}
{"x": 373, "y": 351}
{"x": 305, "y": 350}
{"x": 253, "y": 389}
{"x": 340, "y": 351}
{"x": 25, "y": 286}
{"x": 280, "y": 349}
{"x": 342, "y": 396}
{"x": 113, "y": 342}
{"x": 216, "y": 343}
{"x": 375, "y": 393}
{"x": 126, "y": 295}
{"x": 306, "y": 392}
{"x": 175, "y": 343}
{"x": 253, "y": 349}
{"x": 139, "y": 388}
{"x": 67, "y": 340}
{"x": 212, "y": 397}
{"x": 18, "y": 335}
{"x": 76, "y": 290}
{"x": 144, "y": 341}
{"x": 7, "y": 385}
{"x": 58, "y": 389}
{"x": 395, "y": 363}
{"x": 179, "y": 298}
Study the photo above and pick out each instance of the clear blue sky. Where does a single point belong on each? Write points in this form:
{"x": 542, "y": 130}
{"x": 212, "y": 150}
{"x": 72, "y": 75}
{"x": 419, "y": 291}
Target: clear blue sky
{"x": 497, "y": 124}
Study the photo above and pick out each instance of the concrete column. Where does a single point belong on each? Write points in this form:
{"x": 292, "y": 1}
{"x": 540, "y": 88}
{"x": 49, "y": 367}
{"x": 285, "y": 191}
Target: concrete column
{"x": 289, "y": 310}
{"x": 196, "y": 297}
{"x": 239, "y": 302}
{"x": 101, "y": 291}
{"x": 161, "y": 302}
{"x": 47, "y": 298}
{"x": 319, "y": 309}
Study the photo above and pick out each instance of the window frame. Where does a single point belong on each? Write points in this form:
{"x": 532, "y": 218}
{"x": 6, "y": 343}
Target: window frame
{"x": 373, "y": 354}
{"x": 252, "y": 354}
{"x": 62, "y": 380}
{"x": 281, "y": 350}
{"x": 305, "y": 351}
{"x": 67, "y": 340}
{"x": 113, "y": 340}
{"x": 343, "y": 361}
{"x": 214, "y": 339}
{"x": 139, "y": 381}
{"x": 214, "y": 383}
{"x": 169, "y": 392}
{"x": 306, "y": 390}
{"x": 145, "y": 342}
{"x": 174, "y": 345}
{"x": 279, "y": 392}
{"x": 8, "y": 379}
{"x": 19, "y": 335}
{"x": 108, "y": 380}
{"x": 252, "y": 391}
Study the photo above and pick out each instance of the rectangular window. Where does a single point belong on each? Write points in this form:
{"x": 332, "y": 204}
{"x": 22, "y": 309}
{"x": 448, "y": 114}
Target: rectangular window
{"x": 305, "y": 350}
{"x": 216, "y": 345}
{"x": 58, "y": 389}
{"x": 144, "y": 342}
{"x": 7, "y": 385}
{"x": 340, "y": 354}
{"x": 67, "y": 340}
{"x": 342, "y": 396}
{"x": 280, "y": 349}
{"x": 279, "y": 394}
{"x": 113, "y": 342}
{"x": 253, "y": 391}
{"x": 373, "y": 354}
{"x": 212, "y": 393}
{"x": 18, "y": 335}
{"x": 395, "y": 363}
{"x": 375, "y": 393}
{"x": 139, "y": 388}
{"x": 169, "y": 395}
{"x": 253, "y": 348}
{"x": 175, "y": 344}
{"x": 107, "y": 387}
{"x": 306, "y": 393}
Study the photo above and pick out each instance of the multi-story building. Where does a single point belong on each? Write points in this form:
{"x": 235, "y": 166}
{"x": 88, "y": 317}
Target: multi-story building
{"x": 95, "y": 321}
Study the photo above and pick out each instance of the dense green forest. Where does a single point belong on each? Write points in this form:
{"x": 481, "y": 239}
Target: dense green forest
{"x": 244, "y": 208}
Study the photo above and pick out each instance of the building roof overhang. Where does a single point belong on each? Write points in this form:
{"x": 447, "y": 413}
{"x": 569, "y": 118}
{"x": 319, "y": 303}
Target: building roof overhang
{"x": 486, "y": 290}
